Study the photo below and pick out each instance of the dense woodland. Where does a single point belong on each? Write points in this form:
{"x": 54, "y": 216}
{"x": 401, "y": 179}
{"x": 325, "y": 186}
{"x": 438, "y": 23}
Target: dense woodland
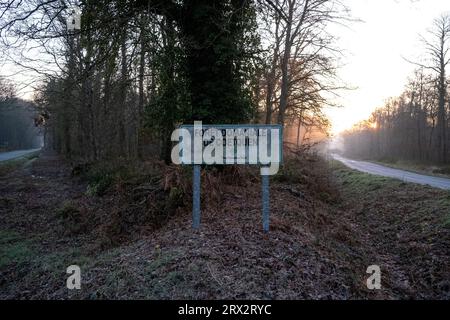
{"x": 137, "y": 69}
{"x": 414, "y": 126}
{"x": 18, "y": 129}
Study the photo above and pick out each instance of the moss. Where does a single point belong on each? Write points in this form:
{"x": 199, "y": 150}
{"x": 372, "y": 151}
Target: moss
{"x": 174, "y": 200}
{"x": 13, "y": 249}
{"x": 447, "y": 222}
{"x": 362, "y": 182}
{"x": 67, "y": 210}
{"x": 100, "y": 186}
{"x": 7, "y": 201}
{"x": 162, "y": 260}
{"x": 102, "y": 176}
{"x": 11, "y": 165}
{"x": 71, "y": 217}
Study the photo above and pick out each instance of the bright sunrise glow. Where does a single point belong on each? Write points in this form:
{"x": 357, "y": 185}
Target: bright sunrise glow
{"x": 374, "y": 52}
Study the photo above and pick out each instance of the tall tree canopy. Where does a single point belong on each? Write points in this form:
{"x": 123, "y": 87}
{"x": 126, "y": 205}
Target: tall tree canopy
{"x": 137, "y": 68}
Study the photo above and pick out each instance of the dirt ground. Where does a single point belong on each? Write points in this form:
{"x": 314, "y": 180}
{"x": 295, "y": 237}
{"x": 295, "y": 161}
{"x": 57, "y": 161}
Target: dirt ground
{"x": 319, "y": 246}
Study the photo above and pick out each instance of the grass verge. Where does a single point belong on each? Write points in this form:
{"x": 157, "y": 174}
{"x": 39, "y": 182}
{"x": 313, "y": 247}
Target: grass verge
{"x": 11, "y": 165}
{"x": 415, "y": 167}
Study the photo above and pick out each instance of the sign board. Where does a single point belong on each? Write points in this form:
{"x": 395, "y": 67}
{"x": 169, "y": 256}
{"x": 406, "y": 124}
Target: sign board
{"x": 231, "y": 144}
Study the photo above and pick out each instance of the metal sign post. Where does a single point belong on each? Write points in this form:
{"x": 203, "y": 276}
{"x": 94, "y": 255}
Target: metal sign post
{"x": 196, "y": 197}
{"x": 265, "y": 200}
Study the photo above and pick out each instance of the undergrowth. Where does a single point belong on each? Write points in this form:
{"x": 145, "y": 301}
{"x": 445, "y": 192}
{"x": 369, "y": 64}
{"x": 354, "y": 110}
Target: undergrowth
{"x": 146, "y": 195}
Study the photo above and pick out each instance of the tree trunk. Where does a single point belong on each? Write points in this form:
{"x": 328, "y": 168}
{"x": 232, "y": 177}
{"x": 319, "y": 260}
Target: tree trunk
{"x": 285, "y": 65}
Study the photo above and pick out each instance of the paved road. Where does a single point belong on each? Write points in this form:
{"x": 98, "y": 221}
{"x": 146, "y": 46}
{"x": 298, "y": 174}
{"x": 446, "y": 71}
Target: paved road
{"x": 406, "y": 176}
{"x": 15, "y": 154}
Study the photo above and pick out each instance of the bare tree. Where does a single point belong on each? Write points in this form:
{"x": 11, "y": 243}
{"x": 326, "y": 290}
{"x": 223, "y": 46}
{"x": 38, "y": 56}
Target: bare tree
{"x": 302, "y": 62}
{"x": 437, "y": 45}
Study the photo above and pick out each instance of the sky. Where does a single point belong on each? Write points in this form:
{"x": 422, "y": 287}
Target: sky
{"x": 374, "y": 53}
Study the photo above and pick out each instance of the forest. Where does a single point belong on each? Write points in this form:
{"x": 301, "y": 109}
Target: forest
{"x": 137, "y": 69}
{"x": 415, "y": 125}
{"x": 18, "y": 129}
